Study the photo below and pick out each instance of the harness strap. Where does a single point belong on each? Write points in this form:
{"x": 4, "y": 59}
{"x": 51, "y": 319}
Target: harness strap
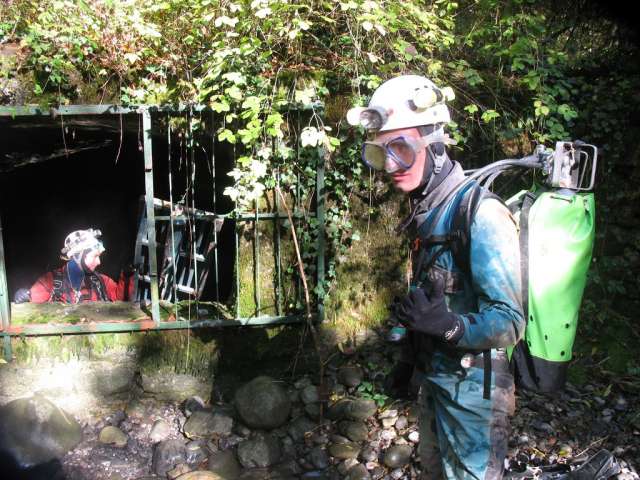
{"x": 527, "y": 201}
{"x": 458, "y": 241}
{"x": 486, "y": 358}
{"x": 57, "y": 293}
{"x": 97, "y": 284}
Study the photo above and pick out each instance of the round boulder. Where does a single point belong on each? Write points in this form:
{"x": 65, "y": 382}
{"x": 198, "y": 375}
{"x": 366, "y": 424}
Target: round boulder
{"x": 361, "y": 409}
{"x": 224, "y": 464}
{"x": 397, "y": 456}
{"x": 111, "y": 435}
{"x": 350, "y": 375}
{"x": 203, "y": 424}
{"x": 167, "y": 455}
{"x": 34, "y": 430}
{"x": 263, "y": 403}
{"x": 262, "y": 451}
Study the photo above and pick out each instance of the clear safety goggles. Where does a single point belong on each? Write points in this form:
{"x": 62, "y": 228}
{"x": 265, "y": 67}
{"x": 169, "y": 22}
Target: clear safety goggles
{"x": 399, "y": 153}
{"x": 396, "y": 154}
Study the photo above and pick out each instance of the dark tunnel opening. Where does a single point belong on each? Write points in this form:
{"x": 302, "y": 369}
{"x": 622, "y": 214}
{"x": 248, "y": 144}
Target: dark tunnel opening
{"x": 60, "y": 174}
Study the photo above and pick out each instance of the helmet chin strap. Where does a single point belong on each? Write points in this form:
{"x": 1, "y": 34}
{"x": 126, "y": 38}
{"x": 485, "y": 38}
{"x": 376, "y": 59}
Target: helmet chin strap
{"x": 436, "y": 161}
{"x": 83, "y": 258}
{"x": 437, "y": 166}
{"x": 436, "y": 158}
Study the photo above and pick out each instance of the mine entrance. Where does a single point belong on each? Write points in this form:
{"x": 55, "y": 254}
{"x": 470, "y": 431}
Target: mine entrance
{"x": 117, "y": 170}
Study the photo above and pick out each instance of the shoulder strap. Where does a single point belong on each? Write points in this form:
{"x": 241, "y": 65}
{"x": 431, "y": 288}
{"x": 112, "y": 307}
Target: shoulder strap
{"x": 97, "y": 284}
{"x": 457, "y": 239}
{"x": 57, "y": 291}
{"x": 461, "y": 226}
{"x": 527, "y": 202}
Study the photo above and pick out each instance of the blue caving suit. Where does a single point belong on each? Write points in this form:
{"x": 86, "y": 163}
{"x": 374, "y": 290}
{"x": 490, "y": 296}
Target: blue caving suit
{"x": 462, "y": 434}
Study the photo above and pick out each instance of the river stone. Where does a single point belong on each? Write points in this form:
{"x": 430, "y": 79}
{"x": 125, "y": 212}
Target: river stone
{"x": 356, "y": 431}
{"x": 344, "y": 450}
{"x": 358, "y": 472}
{"x": 388, "y": 413}
{"x": 338, "y": 410}
{"x": 202, "y": 424}
{"x": 178, "y": 471}
{"x": 112, "y": 436}
{"x": 225, "y": 464}
{"x": 344, "y": 467}
{"x": 397, "y": 456}
{"x": 413, "y": 413}
{"x": 319, "y": 458}
{"x": 377, "y": 473}
{"x": 388, "y": 422}
{"x": 361, "y": 409}
{"x": 315, "y": 475}
{"x": 402, "y": 422}
{"x": 116, "y": 418}
{"x": 201, "y": 475}
{"x": 387, "y": 435}
{"x": 312, "y": 410}
{"x": 350, "y": 375}
{"x": 299, "y": 427}
{"x": 174, "y": 387}
{"x": 193, "y": 404}
{"x": 286, "y": 470}
{"x": 261, "y": 451}
{"x": 195, "y": 452}
{"x": 263, "y": 403}
{"x": 368, "y": 454}
{"x": 34, "y": 430}
{"x": 167, "y": 455}
{"x": 309, "y": 394}
{"x": 159, "y": 431}
{"x": 335, "y": 438}
{"x": 256, "y": 474}
{"x": 135, "y": 408}
{"x": 396, "y": 474}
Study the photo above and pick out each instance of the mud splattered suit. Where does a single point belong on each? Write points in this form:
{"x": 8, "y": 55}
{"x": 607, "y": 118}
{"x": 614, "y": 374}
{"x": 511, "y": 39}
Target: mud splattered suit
{"x": 462, "y": 434}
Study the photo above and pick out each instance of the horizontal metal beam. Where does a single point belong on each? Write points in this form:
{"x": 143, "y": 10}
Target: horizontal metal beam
{"x": 36, "y": 330}
{"x": 107, "y": 109}
{"x": 110, "y": 109}
{"x": 244, "y": 216}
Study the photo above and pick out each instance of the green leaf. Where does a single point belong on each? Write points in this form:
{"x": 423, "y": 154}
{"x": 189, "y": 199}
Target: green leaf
{"x": 221, "y": 106}
{"x": 567, "y": 112}
{"x": 252, "y": 103}
{"x": 227, "y": 135}
{"x": 234, "y": 92}
{"x": 489, "y": 115}
{"x": 234, "y": 77}
{"x": 471, "y": 108}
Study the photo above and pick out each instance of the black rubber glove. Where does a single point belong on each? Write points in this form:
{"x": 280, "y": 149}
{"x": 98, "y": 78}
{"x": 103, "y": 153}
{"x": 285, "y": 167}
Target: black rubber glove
{"x": 23, "y": 295}
{"x": 428, "y": 313}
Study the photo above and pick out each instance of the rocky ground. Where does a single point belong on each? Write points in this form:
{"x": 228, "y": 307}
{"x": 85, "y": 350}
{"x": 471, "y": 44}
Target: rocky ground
{"x": 269, "y": 428}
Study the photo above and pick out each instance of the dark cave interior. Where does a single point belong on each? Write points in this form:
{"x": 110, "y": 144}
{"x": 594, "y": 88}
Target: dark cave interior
{"x": 67, "y": 173}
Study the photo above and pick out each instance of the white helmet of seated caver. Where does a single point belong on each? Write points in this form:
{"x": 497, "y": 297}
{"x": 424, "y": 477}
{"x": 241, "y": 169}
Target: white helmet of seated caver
{"x": 81, "y": 240}
{"x": 404, "y": 102}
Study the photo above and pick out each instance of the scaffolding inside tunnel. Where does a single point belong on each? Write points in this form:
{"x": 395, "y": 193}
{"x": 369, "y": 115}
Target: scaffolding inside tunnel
{"x": 174, "y": 267}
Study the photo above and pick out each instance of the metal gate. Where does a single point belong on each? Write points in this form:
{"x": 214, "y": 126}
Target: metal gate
{"x": 176, "y": 249}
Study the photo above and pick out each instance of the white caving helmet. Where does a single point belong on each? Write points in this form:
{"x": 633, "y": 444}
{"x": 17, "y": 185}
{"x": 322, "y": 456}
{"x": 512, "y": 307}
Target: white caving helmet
{"x": 404, "y": 102}
{"x": 81, "y": 240}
